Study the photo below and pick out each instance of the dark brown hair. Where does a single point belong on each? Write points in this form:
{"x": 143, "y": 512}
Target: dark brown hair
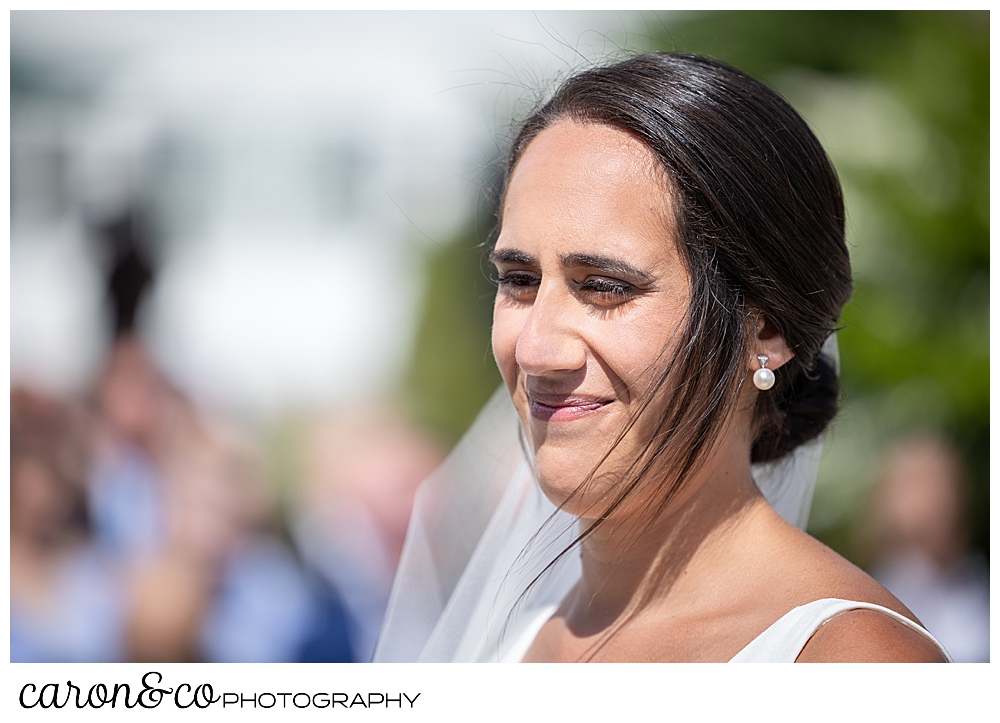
{"x": 759, "y": 219}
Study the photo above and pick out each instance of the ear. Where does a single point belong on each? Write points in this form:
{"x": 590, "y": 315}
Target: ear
{"x": 770, "y": 343}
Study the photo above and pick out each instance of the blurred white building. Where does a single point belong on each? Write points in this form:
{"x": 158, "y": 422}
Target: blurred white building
{"x": 290, "y": 166}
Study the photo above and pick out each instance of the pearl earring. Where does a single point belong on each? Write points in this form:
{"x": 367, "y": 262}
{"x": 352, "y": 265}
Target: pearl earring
{"x": 763, "y": 378}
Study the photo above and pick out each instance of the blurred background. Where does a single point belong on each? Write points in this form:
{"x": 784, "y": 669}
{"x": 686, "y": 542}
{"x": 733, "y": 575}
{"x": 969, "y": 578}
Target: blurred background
{"x": 250, "y": 313}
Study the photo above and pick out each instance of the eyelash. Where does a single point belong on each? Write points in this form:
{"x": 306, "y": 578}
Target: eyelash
{"x": 617, "y": 290}
{"x": 514, "y": 278}
{"x": 605, "y": 289}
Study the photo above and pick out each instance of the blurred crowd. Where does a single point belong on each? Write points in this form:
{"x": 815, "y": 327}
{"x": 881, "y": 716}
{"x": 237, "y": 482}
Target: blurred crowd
{"x": 140, "y": 531}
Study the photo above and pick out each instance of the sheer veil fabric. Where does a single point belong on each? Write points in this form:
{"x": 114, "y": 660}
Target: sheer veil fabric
{"x": 482, "y": 530}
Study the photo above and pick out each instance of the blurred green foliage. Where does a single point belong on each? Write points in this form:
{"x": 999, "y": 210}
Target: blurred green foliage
{"x": 452, "y": 372}
{"x": 901, "y": 102}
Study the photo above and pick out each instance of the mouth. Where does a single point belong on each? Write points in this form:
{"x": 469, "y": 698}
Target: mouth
{"x": 563, "y": 407}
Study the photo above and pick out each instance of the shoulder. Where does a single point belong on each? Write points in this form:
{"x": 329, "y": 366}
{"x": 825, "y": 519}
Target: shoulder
{"x": 785, "y": 569}
{"x": 857, "y": 635}
{"x": 813, "y": 571}
{"x": 868, "y": 636}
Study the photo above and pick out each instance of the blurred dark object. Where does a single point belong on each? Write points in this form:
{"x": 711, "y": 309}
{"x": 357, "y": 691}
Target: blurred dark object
{"x": 132, "y": 269}
{"x": 919, "y": 529}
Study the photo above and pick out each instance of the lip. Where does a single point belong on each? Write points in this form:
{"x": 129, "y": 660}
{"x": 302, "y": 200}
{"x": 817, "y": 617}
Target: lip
{"x": 563, "y": 407}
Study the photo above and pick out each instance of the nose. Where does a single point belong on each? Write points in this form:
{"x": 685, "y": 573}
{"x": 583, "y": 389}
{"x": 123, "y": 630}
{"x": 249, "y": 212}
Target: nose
{"x": 549, "y": 341}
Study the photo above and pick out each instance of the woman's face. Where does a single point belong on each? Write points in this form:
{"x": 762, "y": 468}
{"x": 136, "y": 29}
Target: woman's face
{"x": 591, "y": 291}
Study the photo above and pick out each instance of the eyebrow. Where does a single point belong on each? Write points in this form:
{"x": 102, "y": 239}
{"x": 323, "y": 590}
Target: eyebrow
{"x": 572, "y": 261}
{"x": 604, "y": 263}
{"x": 511, "y": 256}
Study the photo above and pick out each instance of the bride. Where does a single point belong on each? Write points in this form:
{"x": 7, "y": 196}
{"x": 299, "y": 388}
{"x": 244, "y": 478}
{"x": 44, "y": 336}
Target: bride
{"x": 671, "y": 267}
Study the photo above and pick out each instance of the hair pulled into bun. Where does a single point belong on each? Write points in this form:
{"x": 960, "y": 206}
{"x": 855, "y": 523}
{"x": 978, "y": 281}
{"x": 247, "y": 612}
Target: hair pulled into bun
{"x": 799, "y": 412}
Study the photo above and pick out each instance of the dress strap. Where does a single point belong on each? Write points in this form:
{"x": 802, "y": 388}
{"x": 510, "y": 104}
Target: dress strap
{"x": 784, "y": 640}
{"x": 522, "y": 641}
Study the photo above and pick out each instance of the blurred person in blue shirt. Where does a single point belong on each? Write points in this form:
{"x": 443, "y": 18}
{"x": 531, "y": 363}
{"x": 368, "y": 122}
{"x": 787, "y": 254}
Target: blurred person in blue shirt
{"x": 362, "y": 469}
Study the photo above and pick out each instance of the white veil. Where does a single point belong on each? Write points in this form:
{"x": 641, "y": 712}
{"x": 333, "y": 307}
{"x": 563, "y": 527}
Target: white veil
{"x": 457, "y": 596}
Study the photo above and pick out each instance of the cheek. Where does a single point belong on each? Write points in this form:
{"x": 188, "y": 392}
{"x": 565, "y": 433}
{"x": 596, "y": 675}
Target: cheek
{"x": 506, "y": 329}
{"x": 654, "y": 335}
{"x": 634, "y": 356}
{"x": 644, "y": 362}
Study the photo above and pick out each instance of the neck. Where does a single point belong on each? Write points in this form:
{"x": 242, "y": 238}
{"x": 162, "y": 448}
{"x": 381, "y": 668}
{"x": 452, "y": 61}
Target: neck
{"x": 631, "y": 565}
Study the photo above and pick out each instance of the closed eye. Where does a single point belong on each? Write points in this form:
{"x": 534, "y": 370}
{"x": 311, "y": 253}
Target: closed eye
{"x": 607, "y": 290}
{"x": 517, "y": 284}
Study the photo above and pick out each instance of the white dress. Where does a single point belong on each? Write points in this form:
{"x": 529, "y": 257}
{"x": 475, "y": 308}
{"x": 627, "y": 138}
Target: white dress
{"x": 784, "y": 640}
{"x": 780, "y": 643}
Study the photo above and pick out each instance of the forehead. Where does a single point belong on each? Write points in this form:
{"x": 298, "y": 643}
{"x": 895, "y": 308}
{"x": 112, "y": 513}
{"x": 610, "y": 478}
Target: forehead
{"x": 591, "y": 186}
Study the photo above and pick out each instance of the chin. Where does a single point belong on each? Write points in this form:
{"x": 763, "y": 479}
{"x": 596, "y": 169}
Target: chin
{"x": 560, "y": 474}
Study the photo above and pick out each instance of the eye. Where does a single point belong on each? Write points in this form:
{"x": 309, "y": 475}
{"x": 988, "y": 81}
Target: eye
{"x": 517, "y": 284}
{"x": 607, "y": 290}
